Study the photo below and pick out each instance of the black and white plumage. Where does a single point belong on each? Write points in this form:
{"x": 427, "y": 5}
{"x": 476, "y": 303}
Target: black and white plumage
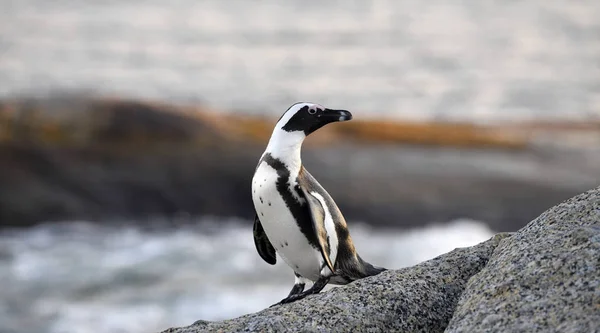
{"x": 295, "y": 216}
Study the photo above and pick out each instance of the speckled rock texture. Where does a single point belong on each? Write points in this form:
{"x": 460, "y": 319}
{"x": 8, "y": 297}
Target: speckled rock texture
{"x": 421, "y": 298}
{"x": 545, "y": 278}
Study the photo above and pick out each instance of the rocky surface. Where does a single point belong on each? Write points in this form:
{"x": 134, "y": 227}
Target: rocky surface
{"x": 416, "y": 299}
{"x": 544, "y": 278}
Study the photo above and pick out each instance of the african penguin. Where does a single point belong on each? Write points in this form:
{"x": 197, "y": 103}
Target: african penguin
{"x": 295, "y": 216}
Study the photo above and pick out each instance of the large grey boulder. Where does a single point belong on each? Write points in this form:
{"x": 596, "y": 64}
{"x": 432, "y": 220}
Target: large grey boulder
{"x": 545, "y": 278}
{"x": 416, "y": 299}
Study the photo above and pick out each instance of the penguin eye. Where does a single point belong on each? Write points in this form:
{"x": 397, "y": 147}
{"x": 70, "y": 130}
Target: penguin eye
{"x": 312, "y": 111}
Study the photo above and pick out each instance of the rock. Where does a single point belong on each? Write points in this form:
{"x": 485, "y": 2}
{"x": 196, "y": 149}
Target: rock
{"x": 545, "y": 278}
{"x": 416, "y": 299}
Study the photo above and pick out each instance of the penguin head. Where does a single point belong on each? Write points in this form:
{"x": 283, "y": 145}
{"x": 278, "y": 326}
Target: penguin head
{"x": 309, "y": 117}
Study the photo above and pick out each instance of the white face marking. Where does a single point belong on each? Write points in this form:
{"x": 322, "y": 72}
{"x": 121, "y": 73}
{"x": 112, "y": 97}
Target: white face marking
{"x": 294, "y": 109}
{"x": 314, "y": 108}
{"x": 330, "y": 229}
{"x": 286, "y": 145}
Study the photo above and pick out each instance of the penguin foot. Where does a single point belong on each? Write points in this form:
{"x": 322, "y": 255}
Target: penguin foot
{"x": 293, "y": 298}
{"x": 315, "y": 289}
{"x": 298, "y": 288}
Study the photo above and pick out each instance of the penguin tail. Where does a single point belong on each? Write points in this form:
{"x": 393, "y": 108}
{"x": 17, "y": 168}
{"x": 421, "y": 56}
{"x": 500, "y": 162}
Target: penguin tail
{"x": 355, "y": 270}
{"x": 369, "y": 269}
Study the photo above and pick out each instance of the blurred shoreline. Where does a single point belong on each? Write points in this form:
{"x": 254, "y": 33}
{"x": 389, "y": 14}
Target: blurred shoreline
{"x": 102, "y": 159}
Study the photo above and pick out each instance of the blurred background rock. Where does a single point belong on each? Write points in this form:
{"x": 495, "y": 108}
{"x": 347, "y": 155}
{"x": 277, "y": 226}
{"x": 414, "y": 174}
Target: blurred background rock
{"x": 129, "y": 132}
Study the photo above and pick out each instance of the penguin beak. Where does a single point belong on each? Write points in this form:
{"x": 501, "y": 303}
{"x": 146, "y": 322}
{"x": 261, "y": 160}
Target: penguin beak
{"x": 330, "y": 115}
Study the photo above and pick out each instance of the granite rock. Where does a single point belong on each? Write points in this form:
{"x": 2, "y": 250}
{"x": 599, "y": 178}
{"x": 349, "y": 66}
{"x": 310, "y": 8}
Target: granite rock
{"x": 545, "y": 278}
{"x": 421, "y": 298}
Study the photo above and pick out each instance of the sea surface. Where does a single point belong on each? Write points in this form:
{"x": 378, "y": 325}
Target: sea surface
{"x": 82, "y": 277}
{"x": 479, "y": 61}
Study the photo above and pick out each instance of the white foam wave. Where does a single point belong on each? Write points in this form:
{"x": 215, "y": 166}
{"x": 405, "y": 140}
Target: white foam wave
{"x": 80, "y": 277}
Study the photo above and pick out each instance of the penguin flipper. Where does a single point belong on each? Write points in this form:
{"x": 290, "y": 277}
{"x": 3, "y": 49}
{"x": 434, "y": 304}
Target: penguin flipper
{"x": 263, "y": 245}
{"x": 317, "y": 212}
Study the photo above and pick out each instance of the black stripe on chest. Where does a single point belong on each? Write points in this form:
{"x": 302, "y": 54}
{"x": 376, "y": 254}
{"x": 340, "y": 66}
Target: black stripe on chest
{"x": 300, "y": 211}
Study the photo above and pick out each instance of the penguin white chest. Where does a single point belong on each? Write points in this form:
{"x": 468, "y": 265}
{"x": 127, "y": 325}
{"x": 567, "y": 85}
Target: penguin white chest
{"x": 280, "y": 225}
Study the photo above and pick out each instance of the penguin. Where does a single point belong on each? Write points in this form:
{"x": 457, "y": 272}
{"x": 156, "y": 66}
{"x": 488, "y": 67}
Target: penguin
{"x": 295, "y": 216}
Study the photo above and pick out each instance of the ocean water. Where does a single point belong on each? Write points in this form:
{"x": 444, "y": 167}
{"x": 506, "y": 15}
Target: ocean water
{"x": 81, "y": 277}
{"x": 473, "y": 60}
